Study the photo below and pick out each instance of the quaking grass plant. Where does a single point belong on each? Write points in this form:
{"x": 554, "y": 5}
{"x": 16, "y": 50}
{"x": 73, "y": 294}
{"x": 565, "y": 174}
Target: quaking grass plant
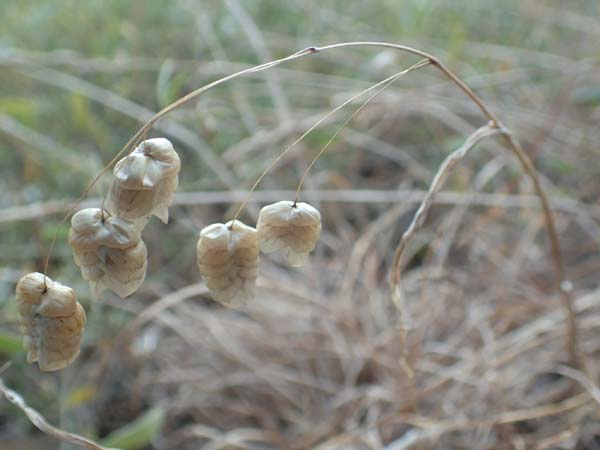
{"x": 107, "y": 242}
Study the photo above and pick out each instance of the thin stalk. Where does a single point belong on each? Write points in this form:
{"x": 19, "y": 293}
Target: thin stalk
{"x": 383, "y": 83}
{"x": 420, "y": 64}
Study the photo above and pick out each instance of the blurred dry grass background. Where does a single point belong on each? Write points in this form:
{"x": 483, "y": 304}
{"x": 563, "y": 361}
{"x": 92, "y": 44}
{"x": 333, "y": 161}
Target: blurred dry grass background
{"x": 314, "y": 362}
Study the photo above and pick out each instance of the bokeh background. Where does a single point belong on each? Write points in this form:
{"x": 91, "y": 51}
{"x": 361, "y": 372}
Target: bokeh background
{"x": 319, "y": 359}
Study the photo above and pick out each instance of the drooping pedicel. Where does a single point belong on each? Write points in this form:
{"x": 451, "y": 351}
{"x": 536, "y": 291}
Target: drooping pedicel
{"x": 52, "y": 321}
{"x": 228, "y": 261}
{"x": 145, "y": 182}
{"x": 109, "y": 251}
{"x": 293, "y": 228}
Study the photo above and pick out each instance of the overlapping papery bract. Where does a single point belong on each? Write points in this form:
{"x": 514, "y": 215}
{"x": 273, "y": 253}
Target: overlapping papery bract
{"x": 293, "y": 228}
{"x": 52, "y": 321}
{"x": 228, "y": 261}
{"x": 145, "y": 182}
{"x": 109, "y": 251}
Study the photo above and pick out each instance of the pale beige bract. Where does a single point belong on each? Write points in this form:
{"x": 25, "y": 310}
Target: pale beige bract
{"x": 109, "y": 251}
{"x": 228, "y": 261}
{"x": 145, "y": 182}
{"x": 293, "y": 228}
{"x": 52, "y": 321}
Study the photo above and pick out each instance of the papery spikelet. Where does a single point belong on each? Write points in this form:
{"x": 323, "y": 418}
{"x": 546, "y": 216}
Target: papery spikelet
{"x": 145, "y": 182}
{"x": 228, "y": 261}
{"x": 52, "y": 321}
{"x": 109, "y": 251}
{"x": 293, "y": 228}
{"x": 125, "y": 270}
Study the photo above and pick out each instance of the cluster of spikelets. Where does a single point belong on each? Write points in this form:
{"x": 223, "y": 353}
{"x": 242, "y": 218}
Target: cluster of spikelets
{"x": 107, "y": 245}
{"x": 108, "y": 248}
{"x": 228, "y": 254}
{"x": 145, "y": 182}
{"x": 109, "y": 251}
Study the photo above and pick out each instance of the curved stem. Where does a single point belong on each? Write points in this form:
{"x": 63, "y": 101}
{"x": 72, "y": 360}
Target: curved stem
{"x": 436, "y": 62}
{"x": 560, "y": 282}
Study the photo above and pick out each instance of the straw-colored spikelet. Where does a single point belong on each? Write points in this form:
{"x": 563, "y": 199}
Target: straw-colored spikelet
{"x": 52, "y": 321}
{"x": 228, "y": 261}
{"x": 109, "y": 251}
{"x": 291, "y": 227}
{"x": 145, "y": 182}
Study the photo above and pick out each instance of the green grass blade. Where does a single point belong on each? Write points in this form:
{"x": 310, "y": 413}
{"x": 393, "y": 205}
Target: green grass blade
{"x": 138, "y": 433}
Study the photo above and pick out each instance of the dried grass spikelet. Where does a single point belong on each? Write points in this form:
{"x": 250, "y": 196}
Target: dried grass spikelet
{"x": 109, "y": 251}
{"x": 293, "y": 228}
{"x": 228, "y": 261}
{"x": 52, "y": 321}
{"x": 145, "y": 182}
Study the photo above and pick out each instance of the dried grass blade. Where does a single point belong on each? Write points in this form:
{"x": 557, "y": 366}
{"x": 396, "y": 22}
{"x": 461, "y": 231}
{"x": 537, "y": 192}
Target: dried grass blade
{"x": 40, "y": 422}
{"x": 419, "y": 218}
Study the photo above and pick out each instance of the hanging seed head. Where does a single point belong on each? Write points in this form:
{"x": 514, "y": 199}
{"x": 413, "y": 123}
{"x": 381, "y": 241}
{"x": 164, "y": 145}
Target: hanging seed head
{"x": 228, "y": 261}
{"x": 293, "y": 228}
{"x": 109, "y": 251}
{"x": 145, "y": 182}
{"x": 52, "y": 321}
